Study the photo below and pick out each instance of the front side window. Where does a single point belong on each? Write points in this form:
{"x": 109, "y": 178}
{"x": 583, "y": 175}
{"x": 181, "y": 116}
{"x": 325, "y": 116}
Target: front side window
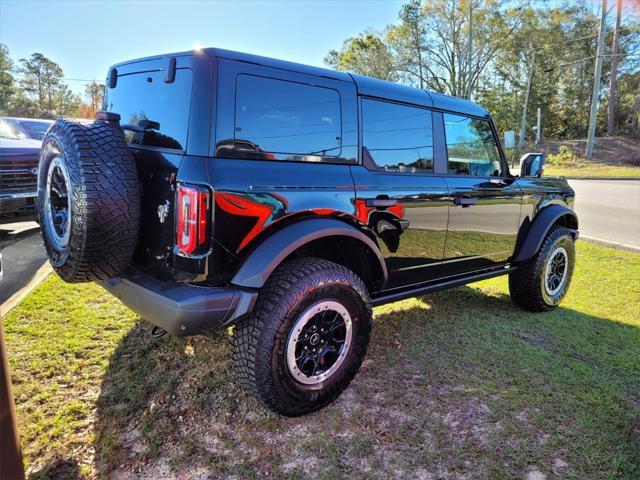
{"x": 471, "y": 147}
{"x": 278, "y": 119}
{"x": 399, "y": 138}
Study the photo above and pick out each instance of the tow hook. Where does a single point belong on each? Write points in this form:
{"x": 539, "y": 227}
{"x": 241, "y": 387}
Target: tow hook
{"x": 157, "y": 332}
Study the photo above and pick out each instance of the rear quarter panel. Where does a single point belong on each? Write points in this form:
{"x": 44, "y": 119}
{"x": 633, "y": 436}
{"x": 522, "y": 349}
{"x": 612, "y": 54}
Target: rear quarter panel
{"x": 255, "y": 197}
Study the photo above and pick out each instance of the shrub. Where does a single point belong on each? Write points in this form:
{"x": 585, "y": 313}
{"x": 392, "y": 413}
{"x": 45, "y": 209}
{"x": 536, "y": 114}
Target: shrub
{"x": 564, "y": 157}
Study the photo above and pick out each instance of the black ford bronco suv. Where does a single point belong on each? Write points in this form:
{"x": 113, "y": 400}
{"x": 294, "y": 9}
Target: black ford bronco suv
{"x": 222, "y": 189}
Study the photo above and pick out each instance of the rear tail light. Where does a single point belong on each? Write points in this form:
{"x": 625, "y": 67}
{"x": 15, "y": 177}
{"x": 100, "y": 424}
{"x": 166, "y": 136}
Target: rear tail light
{"x": 192, "y": 227}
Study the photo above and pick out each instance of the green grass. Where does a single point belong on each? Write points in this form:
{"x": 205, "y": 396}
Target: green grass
{"x": 456, "y": 383}
{"x": 592, "y": 170}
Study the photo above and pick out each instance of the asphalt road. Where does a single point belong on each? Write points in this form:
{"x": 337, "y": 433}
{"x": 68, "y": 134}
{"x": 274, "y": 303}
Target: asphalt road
{"x": 22, "y": 255}
{"x": 609, "y": 210}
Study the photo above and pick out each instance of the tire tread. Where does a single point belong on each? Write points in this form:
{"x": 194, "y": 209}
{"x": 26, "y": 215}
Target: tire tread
{"x": 106, "y": 202}
{"x": 250, "y": 342}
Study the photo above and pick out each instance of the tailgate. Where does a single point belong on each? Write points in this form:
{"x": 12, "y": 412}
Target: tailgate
{"x": 155, "y": 116}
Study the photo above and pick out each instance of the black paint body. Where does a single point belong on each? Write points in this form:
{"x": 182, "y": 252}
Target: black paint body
{"x": 429, "y": 228}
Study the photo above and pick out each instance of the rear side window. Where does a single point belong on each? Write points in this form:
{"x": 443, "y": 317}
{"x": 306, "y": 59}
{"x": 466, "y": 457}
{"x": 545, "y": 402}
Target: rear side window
{"x": 399, "y": 138}
{"x": 154, "y": 113}
{"x": 282, "y": 120}
{"x": 471, "y": 147}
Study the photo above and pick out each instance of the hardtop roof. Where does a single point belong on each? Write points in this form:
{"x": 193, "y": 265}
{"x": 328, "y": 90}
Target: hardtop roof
{"x": 367, "y": 86}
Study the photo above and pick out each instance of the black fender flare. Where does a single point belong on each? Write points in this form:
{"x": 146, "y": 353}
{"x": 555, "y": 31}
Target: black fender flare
{"x": 542, "y": 223}
{"x": 263, "y": 260}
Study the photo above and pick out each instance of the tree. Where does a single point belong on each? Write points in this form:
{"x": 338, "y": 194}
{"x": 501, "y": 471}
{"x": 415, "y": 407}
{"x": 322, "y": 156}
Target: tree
{"x": 460, "y": 55}
{"x": 366, "y": 54}
{"x": 629, "y": 102}
{"x": 407, "y": 41}
{"x": 41, "y": 91}
{"x": 94, "y": 92}
{"x": 485, "y": 47}
{"x": 41, "y": 82}
{"x": 611, "y": 117}
{"x": 433, "y": 46}
{"x": 67, "y": 102}
{"x": 6, "y": 79}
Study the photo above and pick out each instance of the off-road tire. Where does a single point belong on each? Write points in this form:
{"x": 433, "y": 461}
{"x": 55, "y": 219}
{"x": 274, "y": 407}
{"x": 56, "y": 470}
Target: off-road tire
{"x": 105, "y": 202}
{"x": 259, "y": 341}
{"x": 526, "y": 283}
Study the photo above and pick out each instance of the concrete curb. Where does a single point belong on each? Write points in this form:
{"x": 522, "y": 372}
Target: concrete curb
{"x": 17, "y": 297}
{"x": 629, "y": 179}
{"x": 608, "y": 243}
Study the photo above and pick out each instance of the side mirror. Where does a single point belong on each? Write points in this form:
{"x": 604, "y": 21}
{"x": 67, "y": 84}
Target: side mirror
{"x": 532, "y": 164}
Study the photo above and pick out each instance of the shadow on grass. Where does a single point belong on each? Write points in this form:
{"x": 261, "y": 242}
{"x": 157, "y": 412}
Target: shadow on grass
{"x": 454, "y": 383}
{"x": 65, "y": 469}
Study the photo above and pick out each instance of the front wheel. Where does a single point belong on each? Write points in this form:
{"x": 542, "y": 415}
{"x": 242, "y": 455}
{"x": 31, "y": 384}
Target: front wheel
{"x": 306, "y": 338}
{"x": 540, "y": 283}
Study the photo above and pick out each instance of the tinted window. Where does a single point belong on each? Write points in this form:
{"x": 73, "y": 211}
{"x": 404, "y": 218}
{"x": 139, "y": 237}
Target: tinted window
{"x": 36, "y": 130}
{"x": 144, "y": 98}
{"x": 276, "y": 119}
{"x": 399, "y": 138}
{"x": 471, "y": 147}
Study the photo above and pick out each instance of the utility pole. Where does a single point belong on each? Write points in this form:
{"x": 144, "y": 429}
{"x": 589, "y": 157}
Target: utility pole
{"x": 613, "y": 81}
{"x": 538, "y": 128}
{"x": 523, "y": 122}
{"x": 596, "y": 83}
{"x": 470, "y": 49}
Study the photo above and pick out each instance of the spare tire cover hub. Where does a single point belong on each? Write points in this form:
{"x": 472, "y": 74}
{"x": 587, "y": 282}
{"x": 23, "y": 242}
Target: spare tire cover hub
{"x": 58, "y": 200}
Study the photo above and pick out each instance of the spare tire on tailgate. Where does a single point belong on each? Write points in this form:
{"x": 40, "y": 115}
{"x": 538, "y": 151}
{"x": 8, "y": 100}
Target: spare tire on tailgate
{"x": 88, "y": 199}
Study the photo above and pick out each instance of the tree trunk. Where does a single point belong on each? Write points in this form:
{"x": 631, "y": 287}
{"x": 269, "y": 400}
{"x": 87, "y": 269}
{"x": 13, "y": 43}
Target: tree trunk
{"x": 613, "y": 82}
{"x": 469, "y": 52}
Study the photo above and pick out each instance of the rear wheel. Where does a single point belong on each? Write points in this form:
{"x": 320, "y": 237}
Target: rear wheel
{"x": 306, "y": 338}
{"x": 540, "y": 283}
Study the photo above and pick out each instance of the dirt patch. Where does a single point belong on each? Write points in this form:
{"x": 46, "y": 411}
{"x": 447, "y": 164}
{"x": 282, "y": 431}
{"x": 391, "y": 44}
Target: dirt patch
{"x": 535, "y": 339}
{"x": 615, "y": 150}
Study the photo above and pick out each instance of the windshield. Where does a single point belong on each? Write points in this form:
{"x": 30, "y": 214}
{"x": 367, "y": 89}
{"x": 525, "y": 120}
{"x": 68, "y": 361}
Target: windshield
{"x": 9, "y": 130}
{"x": 35, "y": 128}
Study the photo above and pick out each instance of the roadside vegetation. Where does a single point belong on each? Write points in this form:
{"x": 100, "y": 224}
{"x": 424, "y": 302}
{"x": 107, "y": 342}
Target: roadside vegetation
{"x": 592, "y": 170}
{"x": 484, "y": 50}
{"x": 566, "y": 163}
{"x": 458, "y": 383}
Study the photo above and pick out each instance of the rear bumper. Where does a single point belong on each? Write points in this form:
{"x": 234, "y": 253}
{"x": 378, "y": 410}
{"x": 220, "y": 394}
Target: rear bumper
{"x": 179, "y": 308}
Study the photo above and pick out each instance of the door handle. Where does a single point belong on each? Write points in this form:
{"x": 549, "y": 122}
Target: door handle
{"x": 381, "y": 202}
{"x": 465, "y": 201}
{"x": 494, "y": 185}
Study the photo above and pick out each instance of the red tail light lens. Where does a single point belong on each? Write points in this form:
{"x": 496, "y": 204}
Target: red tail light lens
{"x": 192, "y": 228}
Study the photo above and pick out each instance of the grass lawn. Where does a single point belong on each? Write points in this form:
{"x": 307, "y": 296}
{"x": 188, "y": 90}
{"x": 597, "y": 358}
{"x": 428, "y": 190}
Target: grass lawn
{"x": 587, "y": 170}
{"x": 455, "y": 384}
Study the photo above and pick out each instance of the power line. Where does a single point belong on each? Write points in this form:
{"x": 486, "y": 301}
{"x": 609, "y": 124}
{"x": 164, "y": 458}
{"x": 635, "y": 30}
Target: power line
{"x": 546, "y": 70}
{"x": 21, "y": 75}
{"x": 571, "y": 40}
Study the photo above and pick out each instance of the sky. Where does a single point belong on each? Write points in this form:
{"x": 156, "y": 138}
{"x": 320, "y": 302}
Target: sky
{"x": 86, "y": 37}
